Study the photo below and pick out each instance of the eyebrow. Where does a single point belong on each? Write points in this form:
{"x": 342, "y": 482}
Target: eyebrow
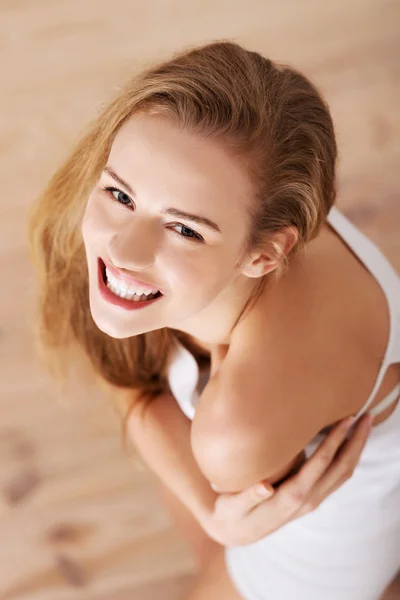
{"x": 167, "y": 210}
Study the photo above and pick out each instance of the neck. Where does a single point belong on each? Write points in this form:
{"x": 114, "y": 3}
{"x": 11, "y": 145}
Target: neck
{"x": 215, "y": 325}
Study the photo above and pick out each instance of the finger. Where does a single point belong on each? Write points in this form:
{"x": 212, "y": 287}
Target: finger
{"x": 303, "y": 492}
{"x": 291, "y": 495}
{"x": 269, "y": 516}
{"x": 318, "y": 463}
{"x": 344, "y": 464}
{"x": 241, "y": 503}
{"x": 294, "y": 491}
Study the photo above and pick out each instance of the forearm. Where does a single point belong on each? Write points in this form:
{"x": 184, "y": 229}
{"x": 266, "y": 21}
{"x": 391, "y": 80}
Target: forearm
{"x": 162, "y": 437}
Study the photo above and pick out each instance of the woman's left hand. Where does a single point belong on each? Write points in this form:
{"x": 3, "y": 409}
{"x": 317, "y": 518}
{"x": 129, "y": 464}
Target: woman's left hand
{"x": 245, "y": 517}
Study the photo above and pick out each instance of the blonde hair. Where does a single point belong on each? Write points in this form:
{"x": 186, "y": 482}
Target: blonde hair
{"x": 267, "y": 114}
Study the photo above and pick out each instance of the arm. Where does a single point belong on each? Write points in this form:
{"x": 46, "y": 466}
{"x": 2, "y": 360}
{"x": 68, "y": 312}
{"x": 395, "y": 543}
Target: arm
{"x": 207, "y": 441}
{"x": 242, "y": 435}
{"x": 235, "y": 449}
{"x": 162, "y": 437}
{"x": 234, "y": 466}
{"x": 302, "y": 493}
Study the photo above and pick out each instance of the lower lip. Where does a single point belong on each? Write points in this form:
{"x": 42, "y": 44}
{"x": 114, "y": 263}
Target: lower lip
{"x": 108, "y": 295}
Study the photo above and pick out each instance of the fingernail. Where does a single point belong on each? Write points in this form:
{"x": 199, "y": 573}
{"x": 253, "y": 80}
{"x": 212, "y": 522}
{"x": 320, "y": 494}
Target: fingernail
{"x": 369, "y": 419}
{"x": 347, "y": 423}
{"x": 264, "y": 490}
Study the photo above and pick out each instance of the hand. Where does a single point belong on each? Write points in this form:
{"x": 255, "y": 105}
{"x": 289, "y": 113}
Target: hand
{"x": 245, "y": 517}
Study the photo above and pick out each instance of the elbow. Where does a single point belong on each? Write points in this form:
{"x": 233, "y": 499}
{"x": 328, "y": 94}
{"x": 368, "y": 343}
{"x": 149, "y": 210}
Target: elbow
{"x": 214, "y": 462}
{"x": 230, "y": 467}
{"x": 235, "y": 463}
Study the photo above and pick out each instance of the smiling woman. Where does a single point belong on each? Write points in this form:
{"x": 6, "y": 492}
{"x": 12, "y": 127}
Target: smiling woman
{"x": 134, "y": 233}
{"x": 138, "y": 154}
{"x": 198, "y": 210}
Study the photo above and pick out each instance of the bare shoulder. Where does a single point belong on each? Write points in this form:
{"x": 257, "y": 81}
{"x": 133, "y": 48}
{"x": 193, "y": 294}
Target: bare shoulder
{"x": 308, "y": 353}
{"x": 306, "y": 356}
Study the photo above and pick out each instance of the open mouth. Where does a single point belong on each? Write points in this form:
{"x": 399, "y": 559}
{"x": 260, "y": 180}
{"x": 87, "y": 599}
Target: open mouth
{"x": 125, "y": 293}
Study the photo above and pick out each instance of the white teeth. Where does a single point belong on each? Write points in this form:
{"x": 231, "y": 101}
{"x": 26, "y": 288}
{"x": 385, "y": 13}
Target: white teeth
{"x": 124, "y": 294}
{"x": 118, "y": 287}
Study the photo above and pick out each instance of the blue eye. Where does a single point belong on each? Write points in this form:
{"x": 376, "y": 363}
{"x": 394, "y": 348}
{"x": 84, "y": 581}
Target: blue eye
{"x": 118, "y": 196}
{"x": 122, "y": 198}
{"x": 194, "y": 236}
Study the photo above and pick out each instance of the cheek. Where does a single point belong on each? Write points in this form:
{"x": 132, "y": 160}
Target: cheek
{"x": 199, "y": 272}
{"x": 86, "y": 228}
{"x": 88, "y": 224}
{"x": 94, "y": 222}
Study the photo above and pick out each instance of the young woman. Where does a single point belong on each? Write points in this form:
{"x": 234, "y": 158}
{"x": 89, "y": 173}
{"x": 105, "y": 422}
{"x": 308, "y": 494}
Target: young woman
{"x": 191, "y": 247}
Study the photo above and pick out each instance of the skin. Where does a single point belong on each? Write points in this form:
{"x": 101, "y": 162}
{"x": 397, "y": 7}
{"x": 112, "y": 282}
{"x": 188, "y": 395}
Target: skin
{"x": 205, "y": 285}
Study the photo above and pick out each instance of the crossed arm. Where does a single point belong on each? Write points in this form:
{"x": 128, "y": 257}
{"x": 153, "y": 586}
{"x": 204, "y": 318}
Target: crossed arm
{"x": 236, "y": 449}
{"x": 163, "y": 438}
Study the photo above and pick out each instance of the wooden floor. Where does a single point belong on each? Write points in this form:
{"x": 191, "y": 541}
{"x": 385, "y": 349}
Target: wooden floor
{"x": 78, "y": 518}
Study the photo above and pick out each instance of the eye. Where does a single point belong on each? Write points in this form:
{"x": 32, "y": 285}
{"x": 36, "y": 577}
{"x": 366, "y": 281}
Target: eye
{"x": 122, "y": 198}
{"x": 193, "y": 236}
{"x": 117, "y": 195}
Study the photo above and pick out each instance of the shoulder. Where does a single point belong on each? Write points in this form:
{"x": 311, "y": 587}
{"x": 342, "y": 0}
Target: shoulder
{"x": 293, "y": 367}
{"x": 260, "y": 409}
{"x": 313, "y": 341}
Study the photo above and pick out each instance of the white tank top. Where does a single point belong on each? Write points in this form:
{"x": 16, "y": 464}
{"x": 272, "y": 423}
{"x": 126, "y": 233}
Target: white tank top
{"x": 186, "y": 381}
{"x": 349, "y": 547}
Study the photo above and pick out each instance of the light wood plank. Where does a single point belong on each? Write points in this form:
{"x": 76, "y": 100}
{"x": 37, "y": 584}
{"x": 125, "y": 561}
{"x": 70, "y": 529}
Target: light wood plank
{"x": 78, "y": 518}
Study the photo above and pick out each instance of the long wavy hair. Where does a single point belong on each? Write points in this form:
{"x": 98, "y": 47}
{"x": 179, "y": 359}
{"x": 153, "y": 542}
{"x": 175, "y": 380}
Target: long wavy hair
{"x": 268, "y": 114}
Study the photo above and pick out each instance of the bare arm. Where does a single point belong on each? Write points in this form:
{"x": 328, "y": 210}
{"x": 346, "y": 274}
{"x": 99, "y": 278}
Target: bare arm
{"x": 162, "y": 437}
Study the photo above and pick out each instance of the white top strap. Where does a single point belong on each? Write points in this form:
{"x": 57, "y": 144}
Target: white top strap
{"x": 390, "y": 398}
{"x": 381, "y": 269}
{"x": 185, "y": 372}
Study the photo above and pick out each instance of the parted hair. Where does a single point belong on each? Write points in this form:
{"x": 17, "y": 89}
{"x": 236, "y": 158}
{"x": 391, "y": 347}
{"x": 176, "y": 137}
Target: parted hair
{"x": 270, "y": 116}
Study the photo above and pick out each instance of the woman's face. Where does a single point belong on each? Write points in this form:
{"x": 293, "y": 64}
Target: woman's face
{"x": 154, "y": 167}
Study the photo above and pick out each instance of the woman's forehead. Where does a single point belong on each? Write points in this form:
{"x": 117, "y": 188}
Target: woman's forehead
{"x": 152, "y": 153}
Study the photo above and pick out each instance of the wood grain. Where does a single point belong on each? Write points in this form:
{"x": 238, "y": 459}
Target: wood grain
{"x": 79, "y": 519}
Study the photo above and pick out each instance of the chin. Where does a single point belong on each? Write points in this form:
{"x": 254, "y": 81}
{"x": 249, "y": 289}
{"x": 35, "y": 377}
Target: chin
{"x": 116, "y": 330}
{"x": 110, "y": 330}
{"x": 108, "y": 326}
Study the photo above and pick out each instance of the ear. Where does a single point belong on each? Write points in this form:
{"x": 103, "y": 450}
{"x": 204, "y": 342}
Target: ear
{"x": 278, "y": 245}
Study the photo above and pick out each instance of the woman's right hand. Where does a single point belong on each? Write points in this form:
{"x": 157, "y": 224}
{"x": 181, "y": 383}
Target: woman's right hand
{"x": 245, "y": 517}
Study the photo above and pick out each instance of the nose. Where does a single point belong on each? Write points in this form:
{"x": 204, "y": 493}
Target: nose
{"x": 133, "y": 248}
